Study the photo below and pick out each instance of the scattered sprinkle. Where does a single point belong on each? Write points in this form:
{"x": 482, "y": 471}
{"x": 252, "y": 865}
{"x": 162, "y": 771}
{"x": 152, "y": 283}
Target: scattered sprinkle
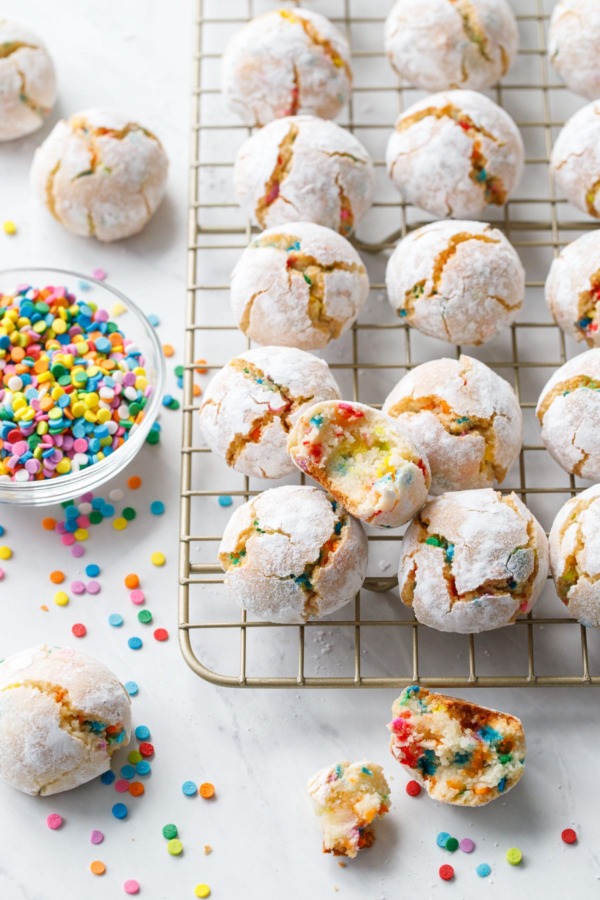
{"x": 131, "y": 886}
{"x": 79, "y": 630}
{"x": 446, "y": 873}
{"x": 116, "y": 620}
{"x": 134, "y": 757}
{"x": 451, "y": 844}
{"x": 138, "y": 597}
{"x": 48, "y": 524}
{"x": 132, "y": 581}
{"x": 142, "y": 732}
{"x": 129, "y": 514}
{"x": 207, "y": 850}
{"x": 96, "y": 837}
{"x": 120, "y": 524}
{"x": 189, "y": 788}
{"x": 146, "y": 749}
{"x": 569, "y": 836}
{"x": 168, "y": 350}
{"x": 514, "y": 856}
{"x": 78, "y": 587}
{"x": 99, "y": 274}
{"x": 467, "y": 845}
{"x": 413, "y": 788}
{"x": 225, "y": 500}
{"x": 157, "y": 558}
{"x": 136, "y": 789}
{"x": 97, "y": 867}
{"x": 207, "y": 790}
{"x": 154, "y": 320}
{"x": 175, "y": 847}
{"x": 5, "y": 553}
{"x": 54, "y": 821}
{"x": 115, "y": 495}
{"x": 57, "y": 577}
{"x": 92, "y": 571}
{"x": 157, "y": 508}
{"x": 107, "y": 777}
{"x": 93, "y": 587}
{"x": 121, "y": 785}
{"x": 483, "y": 870}
{"x": 145, "y": 616}
{"x": 61, "y": 599}
{"x": 170, "y": 832}
{"x": 120, "y": 811}
{"x": 143, "y": 768}
{"x": 202, "y": 890}
{"x": 442, "y": 838}
{"x": 132, "y": 688}
{"x": 9, "y": 227}
{"x": 134, "y": 482}
{"x": 161, "y": 634}
{"x": 135, "y": 643}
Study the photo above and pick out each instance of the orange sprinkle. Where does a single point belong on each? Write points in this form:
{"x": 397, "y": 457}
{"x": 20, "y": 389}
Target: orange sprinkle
{"x": 168, "y": 350}
{"x": 97, "y": 867}
{"x": 17, "y": 354}
{"x": 132, "y": 581}
{"x": 200, "y": 365}
{"x": 57, "y": 577}
{"x": 136, "y": 788}
{"x": 134, "y": 482}
{"x": 49, "y": 524}
{"x": 207, "y": 790}
{"x": 44, "y": 608}
{"x": 197, "y": 390}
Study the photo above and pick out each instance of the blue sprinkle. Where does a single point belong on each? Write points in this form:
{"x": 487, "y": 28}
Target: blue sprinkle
{"x": 189, "y": 788}
{"x": 71, "y": 512}
{"x": 317, "y": 421}
{"x": 294, "y": 246}
{"x": 403, "y": 313}
{"x": 441, "y": 839}
{"x": 132, "y": 688}
{"x": 427, "y": 763}
{"x": 128, "y": 772}
{"x": 107, "y": 777}
{"x": 1, "y": 530}
{"x": 116, "y": 620}
{"x": 502, "y": 785}
{"x": 157, "y": 507}
{"x": 167, "y": 400}
{"x": 120, "y": 811}
{"x": 366, "y": 771}
{"x": 483, "y": 870}
{"x": 143, "y": 767}
{"x": 92, "y": 571}
{"x": 449, "y": 553}
{"x": 96, "y": 727}
{"x": 225, "y": 500}
{"x": 135, "y": 643}
{"x": 462, "y": 757}
{"x": 489, "y": 734}
{"x": 412, "y": 689}
{"x": 337, "y": 529}
{"x": 154, "y": 320}
{"x": 142, "y": 733}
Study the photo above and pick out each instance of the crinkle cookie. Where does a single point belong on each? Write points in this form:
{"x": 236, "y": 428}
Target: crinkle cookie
{"x": 575, "y": 159}
{"x": 364, "y": 459}
{"x": 293, "y": 553}
{"x": 284, "y": 63}
{"x": 100, "y": 174}
{"x": 304, "y": 169}
{"x": 454, "y": 153}
{"x": 466, "y": 419}
{"x": 348, "y": 798}
{"x": 573, "y": 42}
{"x": 301, "y": 285}
{"x": 573, "y": 289}
{"x": 472, "y": 561}
{"x": 569, "y": 412}
{"x": 461, "y": 753}
{"x": 27, "y": 81}
{"x": 437, "y": 45}
{"x": 62, "y": 716}
{"x": 575, "y": 556}
{"x": 251, "y": 404}
{"x": 460, "y": 282}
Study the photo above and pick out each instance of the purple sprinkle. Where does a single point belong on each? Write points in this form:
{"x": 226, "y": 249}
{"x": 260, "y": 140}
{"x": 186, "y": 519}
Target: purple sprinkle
{"x": 87, "y": 498}
{"x": 467, "y": 845}
{"x": 93, "y": 587}
{"x": 78, "y": 587}
{"x": 96, "y": 837}
{"x": 77, "y": 550}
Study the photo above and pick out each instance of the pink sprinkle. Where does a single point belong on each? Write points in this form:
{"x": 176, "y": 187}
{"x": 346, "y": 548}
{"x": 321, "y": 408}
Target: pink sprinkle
{"x": 467, "y": 845}
{"x": 78, "y": 587}
{"x": 96, "y": 837}
{"x": 68, "y": 539}
{"x": 131, "y": 886}
{"x": 87, "y": 498}
{"x": 99, "y": 274}
{"x": 93, "y": 587}
{"x": 1, "y": 573}
{"x": 138, "y": 597}
{"x": 77, "y": 550}
{"x": 121, "y": 785}
{"x": 54, "y": 821}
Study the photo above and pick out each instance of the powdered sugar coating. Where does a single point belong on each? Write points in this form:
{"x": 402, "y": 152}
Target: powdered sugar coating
{"x": 293, "y": 553}
{"x": 253, "y": 401}
{"x": 569, "y": 413}
{"x": 437, "y": 45}
{"x": 575, "y": 556}
{"x": 284, "y": 63}
{"x": 453, "y": 153}
{"x": 464, "y": 416}
{"x": 573, "y": 289}
{"x": 100, "y": 174}
{"x": 329, "y": 179}
{"x": 573, "y": 42}
{"x": 298, "y": 286}
{"x": 472, "y": 560}
{"x": 575, "y": 159}
{"x": 27, "y": 81}
{"x": 44, "y": 745}
{"x": 458, "y": 281}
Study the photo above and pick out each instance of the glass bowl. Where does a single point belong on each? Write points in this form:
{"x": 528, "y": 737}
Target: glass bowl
{"x": 135, "y": 326}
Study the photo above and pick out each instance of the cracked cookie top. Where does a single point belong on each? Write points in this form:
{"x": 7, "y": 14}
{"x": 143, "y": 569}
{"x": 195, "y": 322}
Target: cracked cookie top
{"x": 573, "y": 41}
{"x": 459, "y": 281}
{"x": 472, "y": 561}
{"x": 301, "y": 285}
{"x": 439, "y": 45}
{"x": 465, "y": 417}
{"x": 27, "y": 81}
{"x": 304, "y": 169}
{"x": 293, "y": 553}
{"x": 454, "y": 153}
{"x": 575, "y": 159}
{"x": 62, "y": 715}
{"x": 100, "y": 174}
{"x": 251, "y": 404}
{"x": 575, "y": 556}
{"x": 285, "y": 63}
{"x": 569, "y": 412}
{"x": 573, "y": 289}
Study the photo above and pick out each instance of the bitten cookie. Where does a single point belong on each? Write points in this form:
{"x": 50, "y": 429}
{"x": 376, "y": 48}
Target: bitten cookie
{"x": 284, "y": 63}
{"x": 100, "y": 174}
{"x": 62, "y": 716}
{"x": 461, "y": 753}
{"x": 573, "y": 289}
{"x": 348, "y": 798}
{"x": 569, "y": 412}
{"x": 454, "y": 153}
{"x": 466, "y": 419}
{"x": 573, "y": 42}
{"x": 364, "y": 459}
{"x": 437, "y": 45}
{"x": 575, "y": 159}
{"x": 472, "y": 561}
{"x": 251, "y": 404}
{"x": 460, "y": 282}
{"x": 304, "y": 169}
{"x": 300, "y": 285}
{"x": 575, "y": 556}
{"x": 27, "y": 81}
{"x": 293, "y": 553}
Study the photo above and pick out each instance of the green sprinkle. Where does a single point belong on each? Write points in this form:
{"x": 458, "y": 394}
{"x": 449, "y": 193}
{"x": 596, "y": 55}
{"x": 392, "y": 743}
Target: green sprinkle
{"x": 129, "y": 513}
{"x": 145, "y": 616}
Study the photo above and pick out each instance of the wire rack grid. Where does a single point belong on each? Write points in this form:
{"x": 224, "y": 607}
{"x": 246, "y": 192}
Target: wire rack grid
{"x": 379, "y": 644}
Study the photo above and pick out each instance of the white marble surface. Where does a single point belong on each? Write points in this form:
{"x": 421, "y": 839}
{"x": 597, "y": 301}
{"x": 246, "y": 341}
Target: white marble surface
{"x": 257, "y": 747}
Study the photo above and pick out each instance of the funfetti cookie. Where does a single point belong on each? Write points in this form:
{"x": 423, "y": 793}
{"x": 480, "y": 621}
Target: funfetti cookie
{"x": 573, "y": 45}
{"x": 575, "y": 159}
{"x": 27, "y": 81}
{"x": 575, "y": 556}
{"x": 573, "y": 289}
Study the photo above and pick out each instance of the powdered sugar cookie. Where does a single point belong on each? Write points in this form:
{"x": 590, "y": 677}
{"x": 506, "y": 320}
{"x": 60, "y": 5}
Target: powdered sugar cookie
{"x": 293, "y": 553}
{"x": 364, "y": 459}
{"x": 569, "y": 412}
{"x": 437, "y": 45}
{"x": 573, "y": 289}
{"x": 251, "y": 403}
{"x": 453, "y": 153}
{"x": 284, "y": 63}
{"x": 466, "y": 419}
{"x": 304, "y": 169}
{"x": 575, "y": 159}
{"x": 348, "y": 798}
{"x": 62, "y": 716}
{"x": 472, "y": 561}
{"x": 298, "y": 286}
{"x": 461, "y": 753}
{"x": 27, "y": 81}
{"x": 100, "y": 174}
{"x": 575, "y": 556}
{"x": 456, "y": 281}
{"x": 573, "y": 45}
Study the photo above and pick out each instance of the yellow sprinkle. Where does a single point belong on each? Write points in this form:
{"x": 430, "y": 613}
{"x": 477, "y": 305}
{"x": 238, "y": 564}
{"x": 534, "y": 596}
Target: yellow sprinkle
{"x": 118, "y": 309}
{"x": 175, "y": 847}
{"x": 202, "y": 890}
{"x": 158, "y": 559}
{"x": 9, "y": 227}
{"x": 120, "y": 524}
{"x": 5, "y": 553}
{"x": 61, "y": 599}
{"x": 82, "y": 534}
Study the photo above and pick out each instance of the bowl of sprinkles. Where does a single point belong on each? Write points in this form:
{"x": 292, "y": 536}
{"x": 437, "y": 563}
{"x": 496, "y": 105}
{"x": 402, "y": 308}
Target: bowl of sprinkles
{"x": 81, "y": 380}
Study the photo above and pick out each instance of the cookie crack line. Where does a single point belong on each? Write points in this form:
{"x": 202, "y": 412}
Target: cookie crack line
{"x": 90, "y": 133}
{"x": 246, "y": 315}
{"x": 50, "y": 199}
{"x": 472, "y": 27}
{"x": 10, "y": 47}
{"x": 26, "y": 99}
{"x": 283, "y": 165}
{"x": 590, "y": 198}
{"x": 346, "y": 225}
{"x": 316, "y": 38}
{"x": 585, "y": 382}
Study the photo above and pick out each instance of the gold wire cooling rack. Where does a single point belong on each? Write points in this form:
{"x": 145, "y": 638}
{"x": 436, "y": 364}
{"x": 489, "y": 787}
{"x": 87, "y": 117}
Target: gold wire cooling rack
{"x": 379, "y": 644}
